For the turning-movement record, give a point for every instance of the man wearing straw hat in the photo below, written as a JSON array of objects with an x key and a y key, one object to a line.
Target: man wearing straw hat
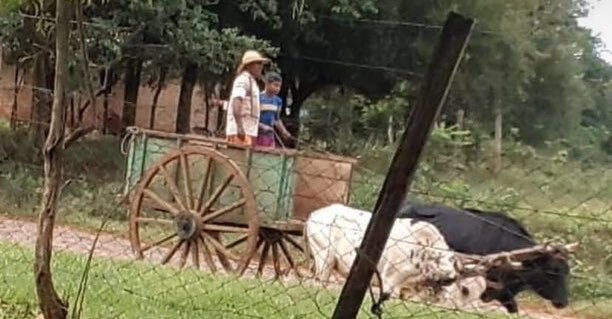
[{"x": 244, "y": 110}]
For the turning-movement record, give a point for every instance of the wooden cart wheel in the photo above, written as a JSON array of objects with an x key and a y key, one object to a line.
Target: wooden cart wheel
[
  {"x": 195, "y": 202},
  {"x": 282, "y": 249}
]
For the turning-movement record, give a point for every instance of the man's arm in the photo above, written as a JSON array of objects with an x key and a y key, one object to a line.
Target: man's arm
[{"x": 237, "y": 110}]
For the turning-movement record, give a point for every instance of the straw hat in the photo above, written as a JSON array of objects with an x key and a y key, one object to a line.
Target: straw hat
[{"x": 251, "y": 56}]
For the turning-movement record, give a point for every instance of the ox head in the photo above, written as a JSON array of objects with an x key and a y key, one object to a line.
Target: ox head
[
  {"x": 547, "y": 273},
  {"x": 440, "y": 268},
  {"x": 548, "y": 276}
]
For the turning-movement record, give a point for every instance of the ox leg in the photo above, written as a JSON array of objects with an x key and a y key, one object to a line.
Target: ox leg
[
  {"x": 510, "y": 305},
  {"x": 324, "y": 264},
  {"x": 504, "y": 297},
  {"x": 392, "y": 280}
]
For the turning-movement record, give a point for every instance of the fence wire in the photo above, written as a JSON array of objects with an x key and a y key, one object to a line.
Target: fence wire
[{"x": 192, "y": 228}]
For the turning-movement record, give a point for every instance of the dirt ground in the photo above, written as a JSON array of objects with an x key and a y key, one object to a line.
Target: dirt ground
[{"x": 21, "y": 232}]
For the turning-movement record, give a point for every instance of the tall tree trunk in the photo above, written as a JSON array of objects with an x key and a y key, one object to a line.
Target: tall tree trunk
[
  {"x": 132, "y": 85},
  {"x": 207, "y": 105},
  {"x": 107, "y": 81},
  {"x": 498, "y": 139},
  {"x": 160, "y": 84},
  {"x": 183, "y": 111},
  {"x": 51, "y": 305},
  {"x": 299, "y": 94},
  {"x": 284, "y": 93},
  {"x": 460, "y": 122},
  {"x": 390, "y": 131},
  {"x": 17, "y": 82},
  {"x": 460, "y": 119},
  {"x": 41, "y": 98},
  {"x": 71, "y": 117},
  {"x": 207, "y": 89}
]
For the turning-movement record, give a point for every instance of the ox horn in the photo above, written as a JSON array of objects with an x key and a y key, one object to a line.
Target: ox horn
[
  {"x": 507, "y": 258},
  {"x": 565, "y": 250},
  {"x": 572, "y": 248},
  {"x": 474, "y": 268}
]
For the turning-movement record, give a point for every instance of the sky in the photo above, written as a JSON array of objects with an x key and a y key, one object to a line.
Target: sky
[{"x": 600, "y": 21}]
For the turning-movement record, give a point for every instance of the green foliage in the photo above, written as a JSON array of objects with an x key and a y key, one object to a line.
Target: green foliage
[
  {"x": 9, "y": 5},
  {"x": 94, "y": 168},
  {"x": 528, "y": 58}
]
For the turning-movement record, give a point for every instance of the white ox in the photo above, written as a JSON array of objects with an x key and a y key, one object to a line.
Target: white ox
[{"x": 415, "y": 253}]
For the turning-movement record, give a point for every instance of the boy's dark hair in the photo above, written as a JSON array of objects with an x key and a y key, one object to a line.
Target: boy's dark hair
[{"x": 272, "y": 77}]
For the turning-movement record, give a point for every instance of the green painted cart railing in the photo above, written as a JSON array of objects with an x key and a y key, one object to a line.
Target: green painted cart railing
[{"x": 221, "y": 205}]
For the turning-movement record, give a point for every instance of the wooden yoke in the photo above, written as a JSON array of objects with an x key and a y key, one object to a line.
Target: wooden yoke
[{"x": 475, "y": 265}]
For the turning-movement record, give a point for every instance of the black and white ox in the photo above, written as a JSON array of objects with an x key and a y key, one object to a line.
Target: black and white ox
[
  {"x": 475, "y": 232},
  {"x": 415, "y": 253}
]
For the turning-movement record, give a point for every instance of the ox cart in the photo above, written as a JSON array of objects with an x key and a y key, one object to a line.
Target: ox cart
[{"x": 194, "y": 197}]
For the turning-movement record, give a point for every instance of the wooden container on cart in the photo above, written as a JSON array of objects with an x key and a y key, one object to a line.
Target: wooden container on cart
[{"x": 200, "y": 197}]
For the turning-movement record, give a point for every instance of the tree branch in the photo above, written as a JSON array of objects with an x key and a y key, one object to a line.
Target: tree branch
[
  {"x": 82, "y": 131},
  {"x": 75, "y": 135}
]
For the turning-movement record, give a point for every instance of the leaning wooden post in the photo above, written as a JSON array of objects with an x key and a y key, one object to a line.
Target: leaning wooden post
[{"x": 447, "y": 54}]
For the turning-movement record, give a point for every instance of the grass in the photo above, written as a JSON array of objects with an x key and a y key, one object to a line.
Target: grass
[
  {"x": 129, "y": 290},
  {"x": 95, "y": 170},
  {"x": 556, "y": 200}
]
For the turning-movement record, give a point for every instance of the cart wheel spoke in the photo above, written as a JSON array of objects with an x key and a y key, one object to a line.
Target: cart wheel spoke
[
  {"x": 169, "y": 207},
  {"x": 293, "y": 242},
  {"x": 171, "y": 252},
  {"x": 287, "y": 254},
  {"x": 224, "y": 262},
  {"x": 160, "y": 221},
  {"x": 276, "y": 260},
  {"x": 225, "y": 229},
  {"x": 187, "y": 180},
  {"x": 218, "y": 191},
  {"x": 224, "y": 210},
  {"x": 263, "y": 258},
  {"x": 237, "y": 242},
  {"x": 222, "y": 259},
  {"x": 157, "y": 243},
  {"x": 176, "y": 193},
  {"x": 250, "y": 256},
  {"x": 218, "y": 246},
  {"x": 205, "y": 183},
  {"x": 208, "y": 255},
  {"x": 185, "y": 253},
  {"x": 195, "y": 253}
]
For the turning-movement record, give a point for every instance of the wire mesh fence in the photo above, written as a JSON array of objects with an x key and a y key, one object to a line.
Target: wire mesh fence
[
  {"x": 248, "y": 258},
  {"x": 186, "y": 226}
]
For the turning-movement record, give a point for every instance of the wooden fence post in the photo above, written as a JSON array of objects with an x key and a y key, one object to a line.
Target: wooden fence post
[{"x": 446, "y": 58}]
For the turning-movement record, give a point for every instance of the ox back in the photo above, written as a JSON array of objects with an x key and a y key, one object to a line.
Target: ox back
[{"x": 471, "y": 231}]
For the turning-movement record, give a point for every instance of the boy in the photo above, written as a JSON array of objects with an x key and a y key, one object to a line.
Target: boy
[{"x": 271, "y": 105}]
